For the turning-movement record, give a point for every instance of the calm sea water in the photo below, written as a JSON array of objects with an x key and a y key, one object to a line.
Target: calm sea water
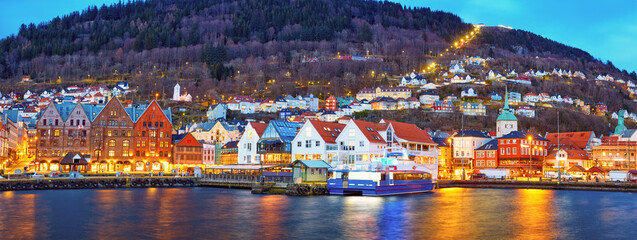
[{"x": 211, "y": 213}]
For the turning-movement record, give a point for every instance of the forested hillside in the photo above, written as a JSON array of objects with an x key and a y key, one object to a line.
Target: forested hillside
[{"x": 226, "y": 47}]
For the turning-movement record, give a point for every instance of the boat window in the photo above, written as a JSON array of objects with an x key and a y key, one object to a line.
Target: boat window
[
  {"x": 411, "y": 176},
  {"x": 382, "y": 177}
]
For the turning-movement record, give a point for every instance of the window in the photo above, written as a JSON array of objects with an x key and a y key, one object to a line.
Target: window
[
  {"x": 308, "y": 143},
  {"x": 143, "y": 143},
  {"x": 123, "y": 123},
  {"x": 318, "y": 143},
  {"x": 125, "y": 143},
  {"x": 352, "y": 132},
  {"x": 515, "y": 151},
  {"x": 138, "y": 144},
  {"x": 111, "y": 143},
  {"x": 128, "y": 133},
  {"x": 152, "y": 144},
  {"x": 361, "y": 143},
  {"x": 299, "y": 144},
  {"x": 56, "y": 133},
  {"x": 109, "y": 133},
  {"x": 161, "y": 124},
  {"x": 125, "y": 153},
  {"x": 98, "y": 153},
  {"x": 111, "y": 153}
]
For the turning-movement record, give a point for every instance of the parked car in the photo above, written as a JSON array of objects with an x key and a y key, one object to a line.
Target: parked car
[{"x": 478, "y": 176}]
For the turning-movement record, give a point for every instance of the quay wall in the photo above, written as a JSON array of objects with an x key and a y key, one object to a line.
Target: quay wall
[
  {"x": 96, "y": 182},
  {"x": 553, "y": 185}
]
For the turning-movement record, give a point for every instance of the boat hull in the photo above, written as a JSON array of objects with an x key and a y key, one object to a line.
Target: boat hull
[{"x": 371, "y": 188}]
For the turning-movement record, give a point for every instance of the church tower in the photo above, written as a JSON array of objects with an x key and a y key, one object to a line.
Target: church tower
[
  {"x": 176, "y": 92},
  {"x": 506, "y": 122}
]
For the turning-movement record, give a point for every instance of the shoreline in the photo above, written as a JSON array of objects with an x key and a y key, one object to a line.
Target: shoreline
[{"x": 579, "y": 186}]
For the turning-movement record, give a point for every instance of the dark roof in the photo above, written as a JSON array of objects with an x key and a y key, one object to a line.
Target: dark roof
[
  {"x": 471, "y": 133},
  {"x": 69, "y": 159},
  {"x": 520, "y": 135},
  {"x": 442, "y": 142},
  {"x": 491, "y": 145},
  {"x": 231, "y": 144}
]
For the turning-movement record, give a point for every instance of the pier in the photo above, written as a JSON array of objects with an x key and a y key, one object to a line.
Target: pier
[{"x": 96, "y": 182}]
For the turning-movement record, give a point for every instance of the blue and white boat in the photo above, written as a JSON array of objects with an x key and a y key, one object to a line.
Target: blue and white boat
[{"x": 380, "y": 177}]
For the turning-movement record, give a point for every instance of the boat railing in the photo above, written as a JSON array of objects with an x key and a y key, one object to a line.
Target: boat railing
[{"x": 243, "y": 178}]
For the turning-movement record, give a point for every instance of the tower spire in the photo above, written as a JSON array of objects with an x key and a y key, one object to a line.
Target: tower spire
[{"x": 506, "y": 99}]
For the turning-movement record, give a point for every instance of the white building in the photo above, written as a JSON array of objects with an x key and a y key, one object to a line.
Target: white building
[
  {"x": 247, "y": 146},
  {"x": 316, "y": 140},
  {"x": 361, "y": 141}
]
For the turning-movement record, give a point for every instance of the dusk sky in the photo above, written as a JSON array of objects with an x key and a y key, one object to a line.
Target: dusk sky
[{"x": 606, "y": 29}]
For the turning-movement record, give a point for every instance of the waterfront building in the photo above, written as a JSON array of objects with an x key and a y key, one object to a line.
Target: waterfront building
[
  {"x": 486, "y": 156},
  {"x": 416, "y": 142},
  {"x": 361, "y": 141},
  {"x": 187, "y": 151},
  {"x": 247, "y": 146},
  {"x": 524, "y": 153},
  {"x": 445, "y": 157},
  {"x": 464, "y": 144},
  {"x": 275, "y": 143},
  {"x": 153, "y": 130},
  {"x": 227, "y": 154},
  {"x": 112, "y": 135},
  {"x": 309, "y": 171},
  {"x": 316, "y": 140}
]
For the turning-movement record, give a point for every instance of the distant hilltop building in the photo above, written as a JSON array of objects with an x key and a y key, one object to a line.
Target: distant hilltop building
[{"x": 186, "y": 97}]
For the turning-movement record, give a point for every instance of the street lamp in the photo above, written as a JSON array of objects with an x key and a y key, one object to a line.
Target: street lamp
[{"x": 530, "y": 138}]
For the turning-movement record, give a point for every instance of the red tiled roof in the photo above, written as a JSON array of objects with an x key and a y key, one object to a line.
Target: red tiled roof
[
  {"x": 362, "y": 125},
  {"x": 259, "y": 127},
  {"x": 410, "y": 132},
  {"x": 577, "y": 154},
  {"x": 578, "y": 139},
  {"x": 327, "y": 130}
]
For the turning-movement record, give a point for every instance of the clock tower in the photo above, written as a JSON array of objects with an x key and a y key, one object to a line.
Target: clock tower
[{"x": 506, "y": 122}]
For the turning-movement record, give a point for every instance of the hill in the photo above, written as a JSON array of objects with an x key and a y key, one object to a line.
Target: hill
[{"x": 218, "y": 48}]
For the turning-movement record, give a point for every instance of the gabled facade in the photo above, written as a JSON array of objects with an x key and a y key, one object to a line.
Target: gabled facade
[
  {"x": 247, "y": 146},
  {"x": 112, "y": 140},
  {"x": 153, "y": 137},
  {"x": 186, "y": 150},
  {"x": 316, "y": 140},
  {"x": 361, "y": 141},
  {"x": 275, "y": 144}
]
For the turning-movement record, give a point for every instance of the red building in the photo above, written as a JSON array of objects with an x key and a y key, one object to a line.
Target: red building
[
  {"x": 522, "y": 152},
  {"x": 486, "y": 156},
  {"x": 187, "y": 151},
  {"x": 442, "y": 106},
  {"x": 152, "y": 137},
  {"x": 331, "y": 104}
]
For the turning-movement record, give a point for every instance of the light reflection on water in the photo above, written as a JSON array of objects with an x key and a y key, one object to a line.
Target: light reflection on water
[{"x": 208, "y": 213}]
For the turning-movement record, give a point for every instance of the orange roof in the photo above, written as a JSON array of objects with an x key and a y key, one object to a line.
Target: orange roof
[
  {"x": 371, "y": 129},
  {"x": 410, "y": 132},
  {"x": 328, "y": 130},
  {"x": 572, "y": 153},
  {"x": 259, "y": 127},
  {"x": 577, "y": 139}
]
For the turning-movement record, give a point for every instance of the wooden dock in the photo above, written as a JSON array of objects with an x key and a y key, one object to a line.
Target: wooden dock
[{"x": 96, "y": 182}]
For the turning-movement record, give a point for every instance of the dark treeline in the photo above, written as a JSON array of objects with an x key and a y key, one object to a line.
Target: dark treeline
[{"x": 176, "y": 23}]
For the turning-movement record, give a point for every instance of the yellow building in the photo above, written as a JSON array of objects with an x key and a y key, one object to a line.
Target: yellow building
[{"x": 392, "y": 92}]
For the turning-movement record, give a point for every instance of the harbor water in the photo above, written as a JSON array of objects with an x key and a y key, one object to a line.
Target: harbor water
[{"x": 215, "y": 213}]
